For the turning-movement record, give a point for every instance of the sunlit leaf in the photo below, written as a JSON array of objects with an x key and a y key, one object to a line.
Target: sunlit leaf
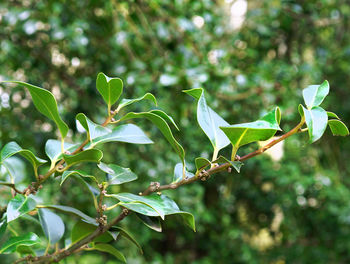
[
  {"x": 53, "y": 149},
  {"x": 52, "y": 225},
  {"x": 316, "y": 120},
  {"x": 67, "y": 174},
  {"x": 89, "y": 155},
  {"x": 93, "y": 130},
  {"x": 117, "y": 174},
  {"x": 178, "y": 173},
  {"x": 18, "y": 206},
  {"x": 338, "y": 128},
  {"x": 126, "y": 102},
  {"x": 28, "y": 239},
  {"x": 109, "y": 88},
  {"x": 315, "y": 94}
]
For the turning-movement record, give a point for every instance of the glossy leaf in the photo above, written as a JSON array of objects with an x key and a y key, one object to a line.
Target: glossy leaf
[
  {"x": 128, "y": 133},
  {"x": 18, "y": 206},
  {"x": 13, "y": 148},
  {"x": 89, "y": 155},
  {"x": 109, "y": 88},
  {"x": 202, "y": 163},
  {"x": 83, "y": 229},
  {"x": 111, "y": 250},
  {"x": 209, "y": 120},
  {"x": 162, "y": 126},
  {"x": 332, "y": 115},
  {"x": 178, "y": 173},
  {"x": 126, "y": 102},
  {"x": 128, "y": 236},
  {"x": 70, "y": 210},
  {"x": 28, "y": 239},
  {"x": 52, "y": 225},
  {"x": 81, "y": 173},
  {"x": 338, "y": 128},
  {"x": 315, "y": 94},
  {"x": 93, "y": 130},
  {"x": 46, "y": 104},
  {"x": 117, "y": 174},
  {"x": 316, "y": 120},
  {"x": 53, "y": 149},
  {"x": 16, "y": 169},
  {"x": 3, "y": 225},
  {"x": 235, "y": 164},
  {"x": 165, "y": 116},
  {"x": 262, "y": 129},
  {"x": 151, "y": 222}
]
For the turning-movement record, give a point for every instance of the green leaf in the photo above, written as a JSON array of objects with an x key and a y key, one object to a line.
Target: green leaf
[
  {"x": 70, "y": 210},
  {"x": 52, "y": 225},
  {"x": 262, "y": 129},
  {"x": 16, "y": 169},
  {"x": 117, "y": 174},
  {"x": 128, "y": 133},
  {"x": 316, "y": 120},
  {"x": 28, "y": 239},
  {"x": 151, "y": 222},
  {"x": 53, "y": 149},
  {"x": 109, "y": 88},
  {"x": 178, "y": 173},
  {"x": 18, "y": 206},
  {"x": 235, "y": 164},
  {"x": 81, "y": 173},
  {"x": 209, "y": 120},
  {"x": 315, "y": 94},
  {"x": 3, "y": 225},
  {"x": 332, "y": 115},
  {"x": 83, "y": 229},
  {"x": 201, "y": 163},
  {"x": 13, "y": 148},
  {"x": 126, "y": 102},
  {"x": 46, "y": 104},
  {"x": 111, "y": 250},
  {"x": 152, "y": 205},
  {"x": 162, "y": 126},
  {"x": 93, "y": 130},
  {"x": 338, "y": 128},
  {"x": 89, "y": 155},
  {"x": 165, "y": 116},
  {"x": 128, "y": 236}
]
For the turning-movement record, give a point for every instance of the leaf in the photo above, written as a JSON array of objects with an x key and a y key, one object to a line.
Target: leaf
[
  {"x": 162, "y": 126},
  {"x": 28, "y": 239},
  {"x": 153, "y": 205},
  {"x": 81, "y": 173},
  {"x": 128, "y": 236},
  {"x": 165, "y": 116},
  {"x": 128, "y": 133},
  {"x": 46, "y": 104},
  {"x": 117, "y": 174},
  {"x": 126, "y": 102},
  {"x": 83, "y": 229},
  {"x": 93, "y": 130},
  {"x": 235, "y": 164},
  {"x": 111, "y": 250},
  {"x": 70, "y": 210},
  {"x": 333, "y": 115},
  {"x": 18, "y": 206},
  {"x": 209, "y": 120},
  {"x": 178, "y": 173},
  {"x": 151, "y": 222},
  {"x": 201, "y": 163},
  {"x": 262, "y": 129},
  {"x": 89, "y": 155},
  {"x": 315, "y": 94},
  {"x": 13, "y": 148},
  {"x": 53, "y": 149},
  {"x": 109, "y": 88},
  {"x": 338, "y": 128},
  {"x": 3, "y": 225},
  {"x": 52, "y": 225},
  {"x": 316, "y": 120}
]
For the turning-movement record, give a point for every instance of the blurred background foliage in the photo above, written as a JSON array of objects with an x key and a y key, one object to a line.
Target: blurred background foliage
[{"x": 292, "y": 206}]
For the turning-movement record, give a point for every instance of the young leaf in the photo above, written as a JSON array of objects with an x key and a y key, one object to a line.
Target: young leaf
[
  {"x": 315, "y": 94},
  {"x": 128, "y": 236},
  {"x": 316, "y": 120},
  {"x": 13, "y": 148},
  {"x": 262, "y": 129},
  {"x": 338, "y": 128},
  {"x": 70, "y": 210},
  {"x": 235, "y": 164},
  {"x": 332, "y": 115},
  {"x": 109, "y": 88},
  {"x": 46, "y": 104},
  {"x": 53, "y": 149},
  {"x": 111, "y": 250},
  {"x": 89, "y": 155},
  {"x": 28, "y": 239},
  {"x": 162, "y": 126},
  {"x": 93, "y": 130},
  {"x": 126, "y": 102},
  {"x": 201, "y": 163},
  {"x": 209, "y": 120},
  {"x": 151, "y": 222},
  {"x": 81, "y": 173},
  {"x": 18, "y": 206},
  {"x": 178, "y": 173},
  {"x": 83, "y": 229},
  {"x": 128, "y": 133},
  {"x": 116, "y": 174},
  {"x": 52, "y": 225}
]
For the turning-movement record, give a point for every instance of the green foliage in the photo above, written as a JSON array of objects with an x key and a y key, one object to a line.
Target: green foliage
[{"x": 52, "y": 225}]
